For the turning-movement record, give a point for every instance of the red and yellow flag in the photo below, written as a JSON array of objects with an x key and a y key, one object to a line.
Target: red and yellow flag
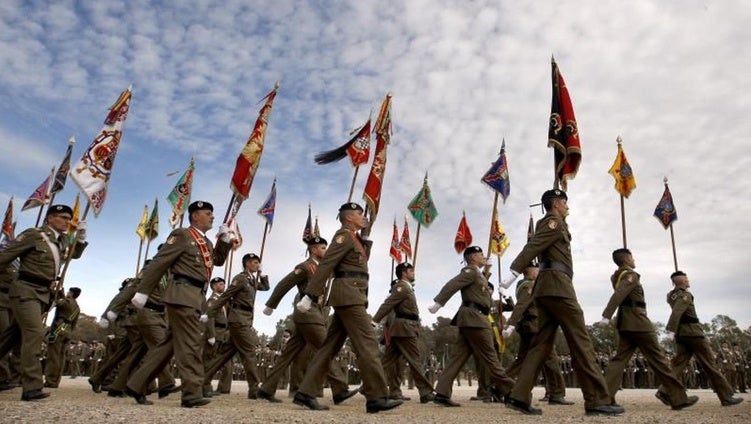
[
  {"x": 625, "y": 182},
  {"x": 563, "y": 133},
  {"x": 372, "y": 193},
  {"x": 463, "y": 235},
  {"x": 394, "y": 251}
]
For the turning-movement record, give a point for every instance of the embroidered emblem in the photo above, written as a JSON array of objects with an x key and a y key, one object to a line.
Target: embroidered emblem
[
  {"x": 552, "y": 224},
  {"x": 399, "y": 289},
  {"x": 297, "y": 271},
  {"x": 339, "y": 240},
  {"x": 171, "y": 240},
  {"x": 467, "y": 270}
]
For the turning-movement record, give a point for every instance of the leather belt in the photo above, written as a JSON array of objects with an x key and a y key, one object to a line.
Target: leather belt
[
  {"x": 33, "y": 279},
  {"x": 685, "y": 319},
  {"x": 190, "y": 280},
  {"x": 557, "y": 266},
  {"x": 243, "y": 308},
  {"x": 484, "y": 309},
  {"x": 411, "y": 317},
  {"x": 633, "y": 303},
  {"x": 154, "y": 306},
  {"x": 220, "y": 325},
  {"x": 352, "y": 274}
]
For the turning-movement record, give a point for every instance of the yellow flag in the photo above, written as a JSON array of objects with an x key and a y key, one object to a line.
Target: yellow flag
[
  {"x": 499, "y": 241},
  {"x": 141, "y": 228},
  {"x": 73, "y": 224},
  {"x": 625, "y": 182}
]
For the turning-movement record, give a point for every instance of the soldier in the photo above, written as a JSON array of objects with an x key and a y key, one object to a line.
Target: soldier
[
  {"x": 41, "y": 251},
  {"x": 557, "y": 306},
  {"x": 9, "y": 364},
  {"x": 404, "y": 333},
  {"x": 310, "y": 329},
  {"x": 431, "y": 367},
  {"x": 216, "y": 335},
  {"x": 635, "y": 330},
  {"x": 347, "y": 260},
  {"x": 684, "y": 325},
  {"x": 475, "y": 334},
  {"x": 66, "y": 317},
  {"x": 726, "y": 362},
  {"x": 190, "y": 257},
  {"x": 741, "y": 368},
  {"x": 242, "y": 339},
  {"x": 524, "y": 320}
]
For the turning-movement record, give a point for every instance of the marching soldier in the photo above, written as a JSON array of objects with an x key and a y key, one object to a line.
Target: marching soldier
[
  {"x": 347, "y": 259},
  {"x": 405, "y": 329},
  {"x": 475, "y": 333},
  {"x": 41, "y": 251},
  {"x": 310, "y": 329},
  {"x": 557, "y": 306},
  {"x": 635, "y": 330},
  {"x": 690, "y": 340},
  {"x": 726, "y": 362},
  {"x": 216, "y": 335},
  {"x": 9, "y": 364},
  {"x": 741, "y": 367},
  {"x": 66, "y": 317},
  {"x": 190, "y": 257}
]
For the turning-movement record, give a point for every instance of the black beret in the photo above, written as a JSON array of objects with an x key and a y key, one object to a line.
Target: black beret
[
  {"x": 351, "y": 206},
  {"x": 55, "y": 209},
  {"x": 200, "y": 205},
  {"x": 216, "y": 280},
  {"x": 472, "y": 249},
  {"x": 553, "y": 194},
  {"x": 677, "y": 274},
  {"x": 76, "y": 292},
  {"x": 249, "y": 257},
  {"x": 313, "y": 240},
  {"x": 402, "y": 267}
]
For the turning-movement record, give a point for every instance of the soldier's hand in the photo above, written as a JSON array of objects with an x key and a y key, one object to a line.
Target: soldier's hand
[
  {"x": 436, "y": 306},
  {"x": 225, "y": 234},
  {"x": 211, "y": 341},
  {"x": 508, "y": 332},
  {"x": 111, "y": 316},
  {"x": 603, "y": 321},
  {"x": 139, "y": 300},
  {"x": 268, "y": 311},
  {"x": 81, "y": 231},
  {"x": 304, "y": 304},
  {"x": 103, "y": 323},
  {"x": 203, "y": 318},
  {"x": 670, "y": 334},
  {"x": 510, "y": 280}
]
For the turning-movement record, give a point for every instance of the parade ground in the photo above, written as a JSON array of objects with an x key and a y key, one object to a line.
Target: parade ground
[{"x": 74, "y": 402}]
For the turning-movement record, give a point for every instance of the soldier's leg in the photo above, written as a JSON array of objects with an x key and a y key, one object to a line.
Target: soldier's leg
[
  {"x": 623, "y": 353},
  {"x": 153, "y": 336},
  {"x": 483, "y": 381},
  {"x": 245, "y": 342},
  {"x": 524, "y": 341},
  {"x": 705, "y": 357},
  {"x": 27, "y": 313},
  {"x": 112, "y": 360},
  {"x": 356, "y": 321},
  {"x": 292, "y": 349},
  {"x": 481, "y": 343},
  {"x": 5, "y": 358},
  {"x": 458, "y": 356},
  {"x": 411, "y": 353},
  {"x": 131, "y": 362},
  {"x": 224, "y": 355},
  {"x": 389, "y": 362},
  {"x": 319, "y": 365},
  {"x": 539, "y": 350},
  {"x": 656, "y": 359},
  {"x": 551, "y": 369},
  {"x": 187, "y": 341},
  {"x": 53, "y": 368}
]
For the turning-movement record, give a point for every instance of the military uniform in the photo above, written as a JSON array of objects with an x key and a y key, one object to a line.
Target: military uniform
[
  {"x": 9, "y": 364},
  {"x": 216, "y": 328},
  {"x": 41, "y": 251},
  {"x": 151, "y": 322},
  {"x": 242, "y": 340},
  {"x": 66, "y": 317},
  {"x": 557, "y": 306},
  {"x": 475, "y": 334},
  {"x": 403, "y": 334},
  {"x": 690, "y": 341},
  {"x": 741, "y": 368},
  {"x": 190, "y": 257},
  {"x": 726, "y": 362},
  {"x": 635, "y": 330}
]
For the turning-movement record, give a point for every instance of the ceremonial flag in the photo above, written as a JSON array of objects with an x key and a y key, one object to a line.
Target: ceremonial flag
[
  {"x": 250, "y": 156},
  {"x": 372, "y": 193},
  {"x": 404, "y": 243},
  {"x": 307, "y": 232},
  {"x": 238, "y": 234},
  {"x": 357, "y": 148},
  {"x": 665, "y": 211},
  {"x": 141, "y": 228},
  {"x": 394, "y": 251},
  {"x": 92, "y": 173},
  {"x": 269, "y": 206},
  {"x": 152, "y": 227},
  {"x": 75, "y": 219},
  {"x": 40, "y": 196},
  {"x": 422, "y": 206},
  {"x": 499, "y": 242},
  {"x": 563, "y": 133},
  {"x": 179, "y": 197},
  {"x": 463, "y": 235},
  {"x": 7, "y": 230},
  {"x": 497, "y": 176},
  {"x": 625, "y": 182},
  {"x": 62, "y": 172}
]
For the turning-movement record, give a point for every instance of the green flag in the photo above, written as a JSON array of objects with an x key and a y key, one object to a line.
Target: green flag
[
  {"x": 152, "y": 227},
  {"x": 422, "y": 206}
]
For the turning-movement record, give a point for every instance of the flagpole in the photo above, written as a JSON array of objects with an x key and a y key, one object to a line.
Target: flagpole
[
  {"x": 417, "y": 244},
  {"x": 49, "y": 187},
  {"x": 352, "y": 186},
  {"x": 138, "y": 262},
  {"x": 623, "y": 222},
  {"x": 392, "y": 268},
  {"x": 229, "y": 207},
  {"x": 672, "y": 241},
  {"x": 263, "y": 245},
  {"x": 146, "y": 254}
]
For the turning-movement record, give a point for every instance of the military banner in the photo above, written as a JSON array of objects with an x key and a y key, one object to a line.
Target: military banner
[
  {"x": 394, "y": 251},
  {"x": 179, "y": 197},
  {"x": 62, "y": 172},
  {"x": 497, "y": 176},
  {"x": 357, "y": 148},
  {"x": 563, "y": 133},
  {"x": 40, "y": 196},
  {"x": 463, "y": 237},
  {"x": 372, "y": 193},
  {"x": 269, "y": 206},
  {"x": 625, "y": 182},
  {"x": 422, "y": 207}
]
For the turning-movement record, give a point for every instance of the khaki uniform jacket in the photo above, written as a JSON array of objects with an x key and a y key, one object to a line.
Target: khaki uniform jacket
[
  {"x": 37, "y": 260},
  {"x": 181, "y": 255},
  {"x": 551, "y": 244},
  {"x": 299, "y": 277},
  {"x": 150, "y": 314},
  {"x": 524, "y": 316},
  {"x": 120, "y": 304},
  {"x": 7, "y": 277},
  {"x": 628, "y": 292},
  {"x": 403, "y": 303},
  {"x": 242, "y": 293},
  {"x": 682, "y": 303},
  {"x": 66, "y": 312},
  {"x": 474, "y": 288},
  {"x": 346, "y": 253},
  {"x": 216, "y": 327}
]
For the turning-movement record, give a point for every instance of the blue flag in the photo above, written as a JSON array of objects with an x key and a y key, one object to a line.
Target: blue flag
[
  {"x": 497, "y": 176},
  {"x": 269, "y": 206},
  {"x": 665, "y": 210}
]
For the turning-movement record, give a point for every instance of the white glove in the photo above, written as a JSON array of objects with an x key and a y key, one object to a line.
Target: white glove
[
  {"x": 211, "y": 341},
  {"x": 670, "y": 334},
  {"x": 111, "y": 316},
  {"x": 81, "y": 232},
  {"x": 508, "y": 331},
  {"x": 436, "y": 306},
  {"x": 203, "y": 318},
  {"x": 103, "y": 323},
  {"x": 139, "y": 300},
  {"x": 225, "y": 234},
  {"x": 305, "y": 304},
  {"x": 510, "y": 280},
  {"x": 603, "y": 321},
  {"x": 268, "y": 311}
]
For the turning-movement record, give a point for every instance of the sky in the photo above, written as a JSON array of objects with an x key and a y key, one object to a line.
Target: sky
[{"x": 669, "y": 77}]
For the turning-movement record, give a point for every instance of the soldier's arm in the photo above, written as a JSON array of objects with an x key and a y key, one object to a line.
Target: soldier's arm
[
  {"x": 221, "y": 251},
  {"x": 543, "y": 239},
  {"x": 210, "y": 330},
  {"x": 122, "y": 299},
  {"x": 679, "y": 308},
  {"x": 396, "y": 297},
  {"x": 464, "y": 278},
  {"x": 285, "y": 285},
  {"x": 522, "y": 304},
  {"x": 628, "y": 283},
  {"x": 235, "y": 287},
  {"x": 18, "y": 247},
  {"x": 161, "y": 263},
  {"x": 263, "y": 283},
  {"x": 78, "y": 249},
  {"x": 340, "y": 247}
]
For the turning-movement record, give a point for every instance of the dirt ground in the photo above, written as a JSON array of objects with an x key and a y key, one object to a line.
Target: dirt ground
[{"x": 75, "y": 402}]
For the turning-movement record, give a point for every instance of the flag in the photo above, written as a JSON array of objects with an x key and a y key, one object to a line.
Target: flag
[
  {"x": 497, "y": 176},
  {"x": 307, "y": 232},
  {"x": 269, "y": 206},
  {"x": 372, "y": 193},
  {"x": 152, "y": 227},
  {"x": 422, "y": 206},
  {"x": 74, "y": 220},
  {"x": 357, "y": 148},
  {"x": 499, "y": 241},
  {"x": 92, "y": 173},
  {"x": 141, "y": 228},
  {"x": 238, "y": 235},
  {"x": 40, "y": 196},
  {"x": 665, "y": 211},
  {"x": 625, "y": 182},
  {"x": 179, "y": 197},
  {"x": 563, "y": 134},
  {"x": 7, "y": 230},
  {"x": 394, "y": 251},
  {"x": 62, "y": 172},
  {"x": 250, "y": 156},
  {"x": 404, "y": 243},
  {"x": 463, "y": 235},
  {"x": 530, "y": 228}
]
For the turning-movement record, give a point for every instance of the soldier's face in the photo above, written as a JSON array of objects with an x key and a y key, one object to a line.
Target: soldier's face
[
  {"x": 409, "y": 274},
  {"x": 219, "y": 287},
  {"x": 318, "y": 250},
  {"x": 356, "y": 219},
  {"x": 59, "y": 221},
  {"x": 681, "y": 282},
  {"x": 202, "y": 219},
  {"x": 561, "y": 205},
  {"x": 253, "y": 265}
]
